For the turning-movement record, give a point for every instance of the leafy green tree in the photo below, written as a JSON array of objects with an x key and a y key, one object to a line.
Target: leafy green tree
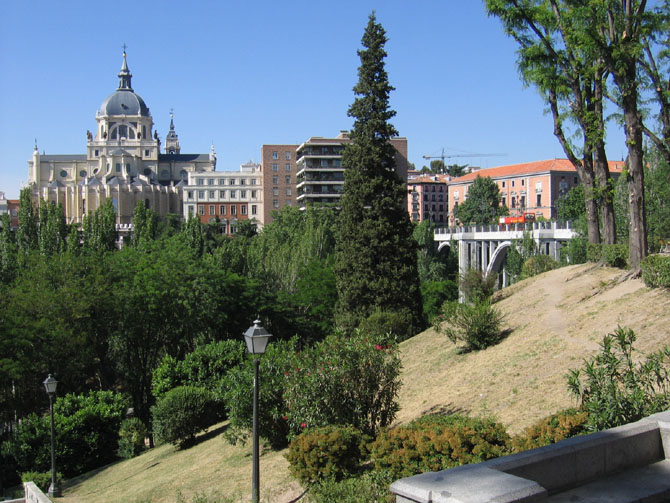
[
  {"x": 53, "y": 230},
  {"x": 26, "y": 235},
  {"x": 99, "y": 229},
  {"x": 7, "y": 250},
  {"x": 145, "y": 224},
  {"x": 482, "y": 205},
  {"x": 194, "y": 236},
  {"x": 376, "y": 254},
  {"x": 437, "y": 167}
]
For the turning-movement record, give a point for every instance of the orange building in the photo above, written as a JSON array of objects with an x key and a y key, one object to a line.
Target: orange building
[
  {"x": 427, "y": 198},
  {"x": 532, "y": 187}
]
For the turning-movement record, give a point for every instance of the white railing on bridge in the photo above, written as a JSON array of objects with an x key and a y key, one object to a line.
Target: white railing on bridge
[{"x": 548, "y": 230}]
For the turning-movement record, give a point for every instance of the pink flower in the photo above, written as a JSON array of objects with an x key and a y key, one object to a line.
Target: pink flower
[
  {"x": 285, "y": 418},
  {"x": 378, "y": 347},
  {"x": 302, "y": 425}
]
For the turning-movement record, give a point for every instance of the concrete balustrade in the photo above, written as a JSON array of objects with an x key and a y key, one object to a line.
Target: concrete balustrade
[{"x": 624, "y": 464}]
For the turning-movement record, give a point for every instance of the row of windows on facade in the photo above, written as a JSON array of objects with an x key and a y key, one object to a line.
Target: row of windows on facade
[
  {"x": 430, "y": 188},
  {"x": 222, "y": 181},
  {"x": 147, "y": 153},
  {"x": 223, "y": 210},
  {"x": 287, "y": 155},
  {"x": 147, "y": 171},
  {"x": 275, "y": 203},
  {"x": 287, "y": 180},
  {"x": 223, "y": 194},
  {"x": 275, "y": 167}
]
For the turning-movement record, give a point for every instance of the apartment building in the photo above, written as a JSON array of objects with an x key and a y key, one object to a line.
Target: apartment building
[
  {"x": 225, "y": 197},
  {"x": 278, "y": 178},
  {"x": 532, "y": 187},
  {"x": 320, "y": 175},
  {"x": 427, "y": 198}
]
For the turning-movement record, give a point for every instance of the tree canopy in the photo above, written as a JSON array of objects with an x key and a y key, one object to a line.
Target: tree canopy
[{"x": 482, "y": 205}]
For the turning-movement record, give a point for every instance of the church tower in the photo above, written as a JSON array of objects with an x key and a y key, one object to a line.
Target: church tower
[{"x": 172, "y": 140}]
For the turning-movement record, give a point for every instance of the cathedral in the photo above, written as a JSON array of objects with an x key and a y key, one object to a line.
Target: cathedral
[{"x": 123, "y": 161}]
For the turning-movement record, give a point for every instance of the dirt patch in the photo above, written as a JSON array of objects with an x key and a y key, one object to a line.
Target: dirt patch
[{"x": 557, "y": 319}]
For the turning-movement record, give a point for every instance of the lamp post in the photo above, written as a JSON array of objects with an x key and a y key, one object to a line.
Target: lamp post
[
  {"x": 50, "y": 385},
  {"x": 256, "y": 338}
]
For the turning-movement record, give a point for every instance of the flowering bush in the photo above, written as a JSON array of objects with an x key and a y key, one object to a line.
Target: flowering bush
[
  {"x": 549, "y": 430},
  {"x": 350, "y": 380}
]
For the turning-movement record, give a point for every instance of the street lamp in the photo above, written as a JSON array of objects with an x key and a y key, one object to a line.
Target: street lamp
[
  {"x": 50, "y": 385},
  {"x": 256, "y": 338}
]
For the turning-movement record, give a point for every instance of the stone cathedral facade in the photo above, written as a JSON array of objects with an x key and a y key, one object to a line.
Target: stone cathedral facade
[{"x": 123, "y": 161}]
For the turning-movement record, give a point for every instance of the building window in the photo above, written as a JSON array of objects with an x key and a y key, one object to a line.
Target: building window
[
  {"x": 574, "y": 180},
  {"x": 210, "y": 181},
  {"x": 190, "y": 194},
  {"x": 275, "y": 155},
  {"x": 253, "y": 209},
  {"x": 201, "y": 181},
  {"x": 337, "y": 162},
  {"x": 243, "y": 194},
  {"x": 288, "y": 180},
  {"x": 287, "y": 167},
  {"x": 253, "y": 181},
  {"x": 275, "y": 203},
  {"x": 232, "y": 194},
  {"x": 253, "y": 194},
  {"x": 512, "y": 183},
  {"x": 222, "y": 210},
  {"x": 287, "y": 203},
  {"x": 146, "y": 153},
  {"x": 190, "y": 211},
  {"x": 224, "y": 228},
  {"x": 243, "y": 181},
  {"x": 522, "y": 202},
  {"x": 201, "y": 194},
  {"x": 503, "y": 201},
  {"x": 231, "y": 182},
  {"x": 523, "y": 182},
  {"x": 539, "y": 200},
  {"x": 201, "y": 209},
  {"x": 324, "y": 150},
  {"x": 63, "y": 173},
  {"x": 212, "y": 209},
  {"x": 82, "y": 173},
  {"x": 211, "y": 194},
  {"x": 275, "y": 191},
  {"x": 513, "y": 202},
  {"x": 288, "y": 191},
  {"x": 243, "y": 210},
  {"x": 324, "y": 163},
  {"x": 127, "y": 167},
  {"x": 275, "y": 180},
  {"x": 503, "y": 184},
  {"x": 287, "y": 156},
  {"x": 275, "y": 167},
  {"x": 233, "y": 210}
]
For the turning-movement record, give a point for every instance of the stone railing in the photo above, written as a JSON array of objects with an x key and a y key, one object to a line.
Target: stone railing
[
  {"x": 624, "y": 464},
  {"x": 33, "y": 494}
]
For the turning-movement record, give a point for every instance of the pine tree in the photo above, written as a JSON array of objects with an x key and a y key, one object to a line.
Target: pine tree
[{"x": 376, "y": 266}]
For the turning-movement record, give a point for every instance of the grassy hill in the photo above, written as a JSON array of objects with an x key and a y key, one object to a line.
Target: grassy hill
[{"x": 556, "y": 320}]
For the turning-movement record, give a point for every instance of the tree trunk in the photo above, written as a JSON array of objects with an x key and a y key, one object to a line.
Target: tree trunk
[
  {"x": 588, "y": 180},
  {"x": 606, "y": 196}
]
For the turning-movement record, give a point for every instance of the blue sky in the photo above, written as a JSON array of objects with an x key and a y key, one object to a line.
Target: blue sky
[{"x": 241, "y": 74}]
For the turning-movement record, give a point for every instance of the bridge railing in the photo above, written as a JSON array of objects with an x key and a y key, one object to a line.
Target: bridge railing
[{"x": 530, "y": 226}]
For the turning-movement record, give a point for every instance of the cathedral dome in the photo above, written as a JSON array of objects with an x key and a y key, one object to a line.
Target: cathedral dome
[{"x": 124, "y": 101}]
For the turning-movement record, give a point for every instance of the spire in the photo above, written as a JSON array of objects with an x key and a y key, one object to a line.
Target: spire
[
  {"x": 171, "y": 119},
  {"x": 124, "y": 74},
  {"x": 172, "y": 140}
]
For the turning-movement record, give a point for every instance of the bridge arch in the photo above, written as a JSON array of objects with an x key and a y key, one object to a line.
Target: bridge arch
[
  {"x": 498, "y": 257},
  {"x": 444, "y": 244}
]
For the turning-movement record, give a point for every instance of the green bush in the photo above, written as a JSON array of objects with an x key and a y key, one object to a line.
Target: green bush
[
  {"x": 87, "y": 428},
  {"x": 615, "y": 255},
  {"x": 371, "y": 486},
  {"x": 574, "y": 251},
  {"x": 436, "y": 293},
  {"x": 656, "y": 271},
  {"x": 614, "y": 389},
  {"x": 537, "y": 265},
  {"x": 434, "y": 443},
  {"x": 551, "y": 429},
  {"x": 275, "y": 364},
  {"x": 389, "y": 323},
  {"x": 41, "y": 479},
  {"x": 346, "y": 380},
  {"x": 131, "y": 438},
  {"x": 477, "y": 325},
  {"x": 183, "y": 412},
  {"x": 168, "y": 375},
  {"x": 477, "y": 286},
  {"x": 330, "y": 452}
]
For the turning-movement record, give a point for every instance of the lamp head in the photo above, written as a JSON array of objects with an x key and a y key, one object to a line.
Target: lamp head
[
  {"x": 50, "y": 385},
  {"x": 257, "y": 338}
]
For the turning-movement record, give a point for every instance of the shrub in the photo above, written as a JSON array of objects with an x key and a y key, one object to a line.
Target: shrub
[
  {"x": 87, "y": 428},
  {"x": 574, "y": 252},
  {"x": 477, "y": 325},
  {"x": 370, "y": 486},
  {"x": 537, "y": 265},
  {"x": 397, "y": 325},
  {"x": 166, "y": 376},
  {"x": 131, "y": 438},
  {"x": 614, "y": 255},
  {"x": 330, "y": 452},
  {"x": 436, "y": 293},
  {"x": 656, "y": 271},
  {"x": 41, "y": 479},
  {"x": 344, "y": 380},
  {"x": 434, "y": 443},
  {"x": 477, "y": 286},
  {"x": 183, "y": 412},
  {"x": 614, "y": 390},
  {"x": 551, "y": 429},
  {"x": 238, "y": 396}
]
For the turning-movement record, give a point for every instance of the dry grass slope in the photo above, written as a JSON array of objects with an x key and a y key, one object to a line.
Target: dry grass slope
[{"x": 557, "y": 319}]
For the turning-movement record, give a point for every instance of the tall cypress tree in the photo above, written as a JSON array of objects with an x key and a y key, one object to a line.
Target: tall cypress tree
[{"x": 376, "y": 266}]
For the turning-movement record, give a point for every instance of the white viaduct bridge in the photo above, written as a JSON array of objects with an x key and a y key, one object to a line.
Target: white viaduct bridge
[{"x": 484, "y": 247}]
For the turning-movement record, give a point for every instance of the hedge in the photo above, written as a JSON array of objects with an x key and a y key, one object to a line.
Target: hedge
[{"x": 656, "y": 271}]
